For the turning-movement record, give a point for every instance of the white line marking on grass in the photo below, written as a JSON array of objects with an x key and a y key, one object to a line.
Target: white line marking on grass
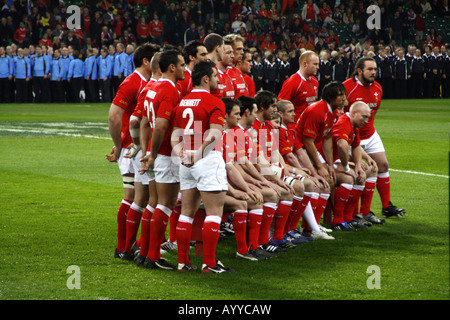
[
  {"x": 420, "y": 173},
  {"x": 56, "y": 133},
  {"x": 107, "y": 138}
]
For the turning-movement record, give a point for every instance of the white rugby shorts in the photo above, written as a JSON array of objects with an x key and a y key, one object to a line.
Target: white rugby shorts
[
  {"x": 166, "y": 170},
  {"x": 125, "y": 164},
  {"x": 207, "y": 174},
  {"x": 372, "y": 144},
  {"x": 138, "y": 177}
]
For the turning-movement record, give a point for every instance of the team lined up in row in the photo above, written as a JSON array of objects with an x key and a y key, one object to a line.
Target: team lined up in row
[
  {"x": 59, "y": 75},
  {"x": 179, "y": 151}
]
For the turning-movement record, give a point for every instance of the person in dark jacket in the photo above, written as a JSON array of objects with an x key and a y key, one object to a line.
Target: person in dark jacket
[
  {"x": 446, "y": 73},
  {"x": 325, "y": 73},
  {"x": 258, "y": 72},
  {"x": 401, "y": 74},
  {"x": 270, "y": 73},
  {"x": 339, "y": 66},
  {"x": 427, "y": 83},
  {"x": 436, "y": 67},
  {"x": 384, "y": 73},
  {"x": 418, "y": 74}
]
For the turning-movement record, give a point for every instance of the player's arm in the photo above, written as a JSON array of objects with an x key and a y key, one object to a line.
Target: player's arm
[
  {"x": 317, "y": 167},
  {"x": 369, "y": 160},
  {"x": 134, "y": 128},
  {"x": 235, "y": 178},
  {"x": 213, "y": 136},
  {"x": 357, "y": 156},
  {"x": 327, "y": 147},
  {"x": 115, "y": 130},
  {"x": 159, "y": 132}
]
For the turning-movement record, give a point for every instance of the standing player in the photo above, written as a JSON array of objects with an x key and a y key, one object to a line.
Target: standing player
[
  {"x": 363, "y": 87},
  {"x": 240, "y": 86},
  {"x": 223, "y": 67},
  {"x": 214, "y": 45},
  {"x": 199, "y": 122},
  {"x": 245, "y": 66},
  {"x": 193, "y": 52},
  {"x": 120, "y": 111},
  {"x": 163, "y": 98},
  {"x": 301, "y": 87},
  {"x": 145, "y": 196}
]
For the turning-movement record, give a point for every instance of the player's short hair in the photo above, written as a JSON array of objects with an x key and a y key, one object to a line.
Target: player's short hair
[
  {"x": 167, "y": 58},
  {"x": 233, "y": 38},
  {"x": 282, "y": 105},
  {"x": 306, "y": 55},
  {"x": 201, "y": 69},
  {"x": 212, "y": 41},
  {"x": 360, "y": 64},
  {"x": 333, "y": 89},
  {"x": 230, "y": 103},
  {"x": 246, "y": 104},
  {"x": 155, "y": 62},
  {"x": 264, "y": 99},
  {"x": 191, "y": 49},
  {"x": 146, "y": 50}
]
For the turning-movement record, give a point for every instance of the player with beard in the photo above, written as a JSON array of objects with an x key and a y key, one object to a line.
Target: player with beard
[{"x": 363, "y": 87}]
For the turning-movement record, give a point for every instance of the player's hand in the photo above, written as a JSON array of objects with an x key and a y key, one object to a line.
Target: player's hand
[
  {"x": 134, "y": 149},
  {"x": 373, "y": 165},
  {"x": 146, "y": 163},
  {"x": 276, "y": 188},
  {"x": 186, "y": 158},
  {"x": 332, "y": 174},
  {"x": 360, "y": 176},
  {"x": 240, "y": 195},
  {"x": 255, "y": 196},
  {"x": 114, "y": 155},
  {"x": 323, "y": 172}
]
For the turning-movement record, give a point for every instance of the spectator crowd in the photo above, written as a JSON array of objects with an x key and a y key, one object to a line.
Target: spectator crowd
[{"x": 41, "y": 60}]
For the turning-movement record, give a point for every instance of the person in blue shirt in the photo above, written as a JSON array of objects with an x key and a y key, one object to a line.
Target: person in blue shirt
[
  {"x": 39, "y": 72},
  {"x": 64, "y": 61},
  {"x": 75, "y": 76},
  {"x": 129, "y": 68},
  {"x": 48, "y": 57},
  {"x": 56, "y": 88},
  {"x": 112, "y": 57},
  {"x": 6, "y": 76},
  {"x": 119, "y": 66},
  {"x": 22, "y": 75},
  {"x": 104, "y": 75},
  {"x": 90, "y": 76}
]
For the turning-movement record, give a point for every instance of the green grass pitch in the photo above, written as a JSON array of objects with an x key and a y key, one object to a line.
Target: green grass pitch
[{"x": 60, "y": 197}]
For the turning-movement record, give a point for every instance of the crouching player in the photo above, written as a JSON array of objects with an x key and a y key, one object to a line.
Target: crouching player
[{"x": 343, "y": 146}]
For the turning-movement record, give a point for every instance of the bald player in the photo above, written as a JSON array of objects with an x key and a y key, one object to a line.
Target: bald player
[{"x": 301, "y": 88}]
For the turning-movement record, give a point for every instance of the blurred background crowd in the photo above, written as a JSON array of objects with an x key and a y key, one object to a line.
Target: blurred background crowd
[{"x": 42, "y": 60}]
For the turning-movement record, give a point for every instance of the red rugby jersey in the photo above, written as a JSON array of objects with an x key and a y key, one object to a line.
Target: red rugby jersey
[
  {"x": 195, "y": 113},
  {"x": 287, "y": 140},
  {"x": 371, "y": 94},
  {"x": 160, "y": 102},
  {"x": 227, "y": 83},
  {"x": 300, "y": 91},
  {"x": 126, "y": 98},
  {"x": 343, "y": 129},
  {"x": 138, "y": 111},
  {"x": 316, "y": 122},
  {"x": 185, "y": 86},
  {"x": 237, "y": 78}
]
